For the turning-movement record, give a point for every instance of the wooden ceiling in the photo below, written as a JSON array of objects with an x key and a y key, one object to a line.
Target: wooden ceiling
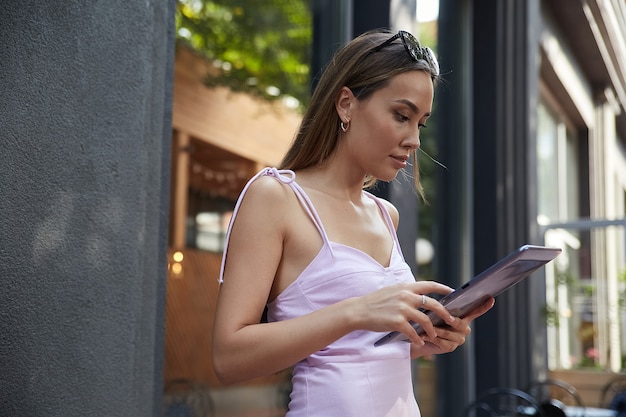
[{"x": 232, "y": 135}]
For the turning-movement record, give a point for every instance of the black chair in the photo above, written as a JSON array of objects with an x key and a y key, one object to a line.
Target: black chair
[
  {"x": 554, "y": 395},
  {"x": 504, "y": 402},
  {"x": 613, "y": 395}
]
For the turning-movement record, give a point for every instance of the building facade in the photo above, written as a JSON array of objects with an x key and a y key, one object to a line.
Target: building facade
[
  {"x": 531, "y": 124},
  {"x": 533, "y": 128}
]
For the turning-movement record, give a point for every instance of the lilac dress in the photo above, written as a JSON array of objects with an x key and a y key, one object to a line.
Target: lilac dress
[{"x": 350, "y": 377}]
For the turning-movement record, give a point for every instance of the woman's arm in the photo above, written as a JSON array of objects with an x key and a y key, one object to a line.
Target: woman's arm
[{"x": 244, "y": 348}]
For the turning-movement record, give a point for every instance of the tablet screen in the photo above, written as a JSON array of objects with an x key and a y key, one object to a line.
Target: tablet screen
[{"x": 501, "y": 276}]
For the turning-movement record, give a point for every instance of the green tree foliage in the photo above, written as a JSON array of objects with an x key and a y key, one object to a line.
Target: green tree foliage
[{"x": 261, "y": 46}]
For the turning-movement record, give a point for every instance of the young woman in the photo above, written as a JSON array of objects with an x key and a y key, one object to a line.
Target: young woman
[{"x": 322, "y": 254}]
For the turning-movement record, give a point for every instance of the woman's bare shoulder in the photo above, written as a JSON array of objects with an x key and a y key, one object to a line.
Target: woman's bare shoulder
[
  {"x": 393, "y": 211},
  {"x": 268, "y": 188},
  {"x": 267, "y": 195}
]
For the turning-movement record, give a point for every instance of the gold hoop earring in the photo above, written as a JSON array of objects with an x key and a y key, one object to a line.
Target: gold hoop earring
[{"x": 344, "y": 127}]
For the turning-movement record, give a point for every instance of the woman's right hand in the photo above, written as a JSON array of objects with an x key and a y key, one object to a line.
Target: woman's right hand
[{"x": 393, "y": 308}]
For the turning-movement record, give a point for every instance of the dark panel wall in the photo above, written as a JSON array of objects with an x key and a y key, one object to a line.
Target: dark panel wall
[
  {"x": 85, "y": 119},
  {"x": 455, "y": 235},
  {"x": 332, "y": 27},
  {"x": 506, "y": 84},
  {"x": 488, "y": 129}
]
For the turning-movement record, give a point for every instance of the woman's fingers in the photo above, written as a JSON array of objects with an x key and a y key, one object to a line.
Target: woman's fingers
[
  {"x": 436, "y": 307},
  {"x": 421, "y": 316},
  {"x": 449, "y": 338},
  {"x": 480, "y": 310},
  {"x": 418, "y": 304},
  {"x": 403, "y": 306}
]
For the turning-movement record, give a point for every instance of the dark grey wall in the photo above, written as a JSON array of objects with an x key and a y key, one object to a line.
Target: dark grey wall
[
  {"x": 85, "y": 96},
  {"x": 486, "y": 120}
]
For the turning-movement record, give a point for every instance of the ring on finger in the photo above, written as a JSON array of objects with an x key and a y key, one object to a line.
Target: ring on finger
[{"x": 424, "y": 300}]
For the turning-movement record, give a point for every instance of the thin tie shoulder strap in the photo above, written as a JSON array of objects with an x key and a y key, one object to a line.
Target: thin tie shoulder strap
[
  {"x": 387, "y": 218},
  {"x": 287, "y": 177}
]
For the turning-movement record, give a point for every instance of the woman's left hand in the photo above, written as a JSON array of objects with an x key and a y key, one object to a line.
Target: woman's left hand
[{"x": 450, "y": 337}]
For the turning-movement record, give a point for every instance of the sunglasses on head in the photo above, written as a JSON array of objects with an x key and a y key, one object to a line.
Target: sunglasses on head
[{"x": 416, "y": 51}]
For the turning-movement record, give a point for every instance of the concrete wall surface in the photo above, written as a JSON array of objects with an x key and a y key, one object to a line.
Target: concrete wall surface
[{"x": 85, "y": 124}]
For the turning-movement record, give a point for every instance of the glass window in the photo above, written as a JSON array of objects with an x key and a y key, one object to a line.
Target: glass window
[
  {"x": 558, "y": 170},
  {"x": 569, "y": 285},
  {"x": 547, "y": 176},
  {"x": 207, "y": 220},
  {"x": 210, "y": 230},
  {"x": 585, "y": 285}
]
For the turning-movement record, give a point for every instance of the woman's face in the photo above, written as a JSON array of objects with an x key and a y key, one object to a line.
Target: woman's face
[{"x": 384, "y": 128}]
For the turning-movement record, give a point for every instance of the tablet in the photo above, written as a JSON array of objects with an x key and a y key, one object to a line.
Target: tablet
[{"x": 498, "y": 278}]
